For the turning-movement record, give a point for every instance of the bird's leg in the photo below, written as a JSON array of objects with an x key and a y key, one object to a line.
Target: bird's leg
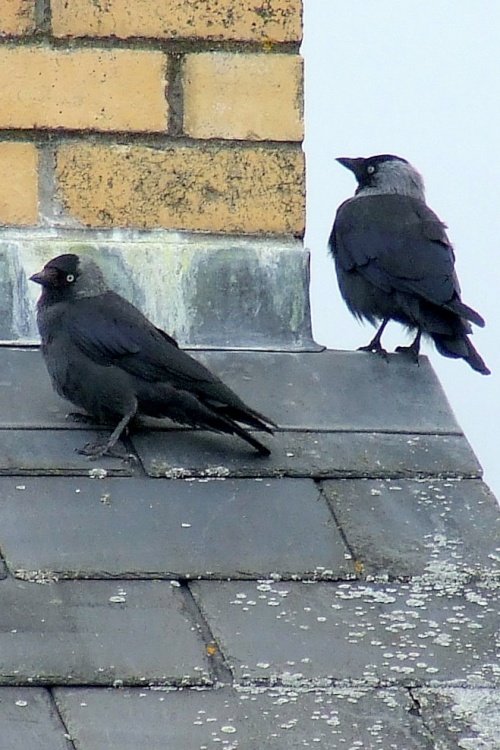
[
  {"x": 375, "y": 345},
  {"x": 414, "y": 347},
  {"x": 106, "y": 448}
]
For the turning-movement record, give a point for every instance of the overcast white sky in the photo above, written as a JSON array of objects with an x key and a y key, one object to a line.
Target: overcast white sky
[{"x": 420, "y": 80}]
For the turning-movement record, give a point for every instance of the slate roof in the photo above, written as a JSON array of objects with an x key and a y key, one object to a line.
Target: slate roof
[{"x": 340, "y": 594}]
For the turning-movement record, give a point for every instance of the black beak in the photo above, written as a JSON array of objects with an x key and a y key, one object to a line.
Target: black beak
[
  {"x": 356, "y": 166},
  {"x": 38, "y": 278}
]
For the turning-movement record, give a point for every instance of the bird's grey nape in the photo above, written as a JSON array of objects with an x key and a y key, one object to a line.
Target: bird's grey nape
[
  {"x": 396, "y": 176},
  {"x": 90, "y": 281}
]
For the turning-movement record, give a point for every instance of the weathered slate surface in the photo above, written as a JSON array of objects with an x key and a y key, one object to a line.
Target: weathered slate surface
[
  {"x": 29, "y": 720},
  {"x": 359, "y": 484},
  {"x": 320, "y": 391},
  {"x": 338, "y": 390},
  {"x": 432, "y": 628},
  {"x": 38, "y": 452},
  {"x": 278, "y": 719},
  {"x": 140, "y": 527},
  {"x": 406, "y": 527},
  {"x": 466, "y": 718},
  {"x": 96, "y": 632},
  {"x": 306, "y": 454}
]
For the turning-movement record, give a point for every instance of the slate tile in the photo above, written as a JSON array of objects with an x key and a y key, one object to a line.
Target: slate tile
[
  {"x": 331, "y": 390},
  {"x": 29, "y": 721},
  {"x": 145, "y": 527},
  {"x": 405, "y": 527},
  {"x": 461, "y": 717},
  {"x": 96, "y": 632},
  {"x": 27, "y": 398},
  {"x": 275, "y": 719},
  {"x": 435, "y": 628},
  {"x": 337, "y": 390},
  {"x": 306, "y": 454},
  {"x": 24, "y": 452}
]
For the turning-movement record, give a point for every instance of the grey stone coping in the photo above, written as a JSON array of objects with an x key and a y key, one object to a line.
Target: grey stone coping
[
  {"x": 278, "y": 719},
  {"x": 406, "y": 527},
  {"x": 96, "y": 632},
  {"x": 436, "y": 628},
  {"x": 203, "y": 289},
  {"x": 175, "y": 528},
  {"x": 29, "y": 720},
  {"x": 461, "y": 717},
  {"x": 304, "y": 454},
  {"x": 327, "y": 391}
]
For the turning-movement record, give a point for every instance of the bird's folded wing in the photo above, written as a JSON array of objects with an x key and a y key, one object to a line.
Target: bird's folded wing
[
  {"x": 111, "y": 331},
  {"x": 397, "y": 243}
]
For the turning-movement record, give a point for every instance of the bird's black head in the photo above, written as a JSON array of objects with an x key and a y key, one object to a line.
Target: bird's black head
[
  {"x": 366, "y": 171},
  {"x": 384, "y": 174},
  {"x": 69, "y": 277},
  {"x": 59, "y": 273}
]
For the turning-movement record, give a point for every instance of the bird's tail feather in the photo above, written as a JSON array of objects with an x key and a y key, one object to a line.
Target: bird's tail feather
[
  {"x": 160, "y": 400},
  {"x": 467, "y": 312},
  {"x": 460, "y": 347},
  {"x": 245, "y": 435},
  {"x": 248, "y": 417}
]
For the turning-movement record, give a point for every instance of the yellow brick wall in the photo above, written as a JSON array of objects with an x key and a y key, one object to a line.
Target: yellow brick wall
[{"x": 174, "y": 114}]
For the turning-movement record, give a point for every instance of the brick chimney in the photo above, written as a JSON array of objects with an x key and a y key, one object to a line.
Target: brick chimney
[{"x": 163, "y": 138}]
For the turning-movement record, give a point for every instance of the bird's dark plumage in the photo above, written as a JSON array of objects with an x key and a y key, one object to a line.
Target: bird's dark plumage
[
  {"x": 107, "y": 358},
  {"x": 394, "y": 260}
]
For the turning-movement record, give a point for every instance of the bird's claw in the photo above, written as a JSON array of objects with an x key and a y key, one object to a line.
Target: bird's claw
[
  {"x": 77, "y": 416},
  {"x": 374, "y": 349},
  {"x": 99, "y": 450}
]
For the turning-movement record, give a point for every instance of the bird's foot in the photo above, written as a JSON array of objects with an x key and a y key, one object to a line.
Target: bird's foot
[
  {"x": 100, "y": 449},
  {"x": 77, "y": 416},
  {"x": 375, "y": 348},
  {"x": 409, "y": 351}
]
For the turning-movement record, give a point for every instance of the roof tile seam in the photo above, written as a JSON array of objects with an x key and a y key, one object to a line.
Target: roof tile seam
[
  {"x": 218, "y": 666},
  {"x": 57, "y": 711}
]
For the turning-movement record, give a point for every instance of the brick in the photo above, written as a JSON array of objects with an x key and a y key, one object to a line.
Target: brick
[
  {"x": 87, "y": 88},
  {"x": 244, "y": 96},
  {"x": 17, "y": 17},
  {"x": 269, "y": 20},
  {"x": 218, "y": 189},
  {"x": 19, "y": 192}
]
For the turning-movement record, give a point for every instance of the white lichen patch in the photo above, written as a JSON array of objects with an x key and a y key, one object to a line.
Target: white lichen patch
[
  {"x": 470, "y": 716},
  {"x": 98, "y": 473},
  {"x": 36, "y": 576}
]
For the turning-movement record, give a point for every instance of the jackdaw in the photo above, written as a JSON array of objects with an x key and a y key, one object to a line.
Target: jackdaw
[
  {"x": 107, "y": 358},
  {"x": 394, "y": 260}
]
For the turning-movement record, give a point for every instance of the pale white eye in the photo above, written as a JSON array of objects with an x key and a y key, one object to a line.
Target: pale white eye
[
  {"x": 70, "y": 278},
  {"x": 370, "y": 169}
]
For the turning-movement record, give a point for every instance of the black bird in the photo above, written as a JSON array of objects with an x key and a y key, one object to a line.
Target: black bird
[
  {"x": 394, "y": 260},
  {"x": 105, "y": 357}
]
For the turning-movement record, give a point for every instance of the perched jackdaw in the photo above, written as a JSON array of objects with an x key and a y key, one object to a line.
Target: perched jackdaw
[
  {"x": 105, "y": 357},
  {"x": 395, "y": 262}
]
